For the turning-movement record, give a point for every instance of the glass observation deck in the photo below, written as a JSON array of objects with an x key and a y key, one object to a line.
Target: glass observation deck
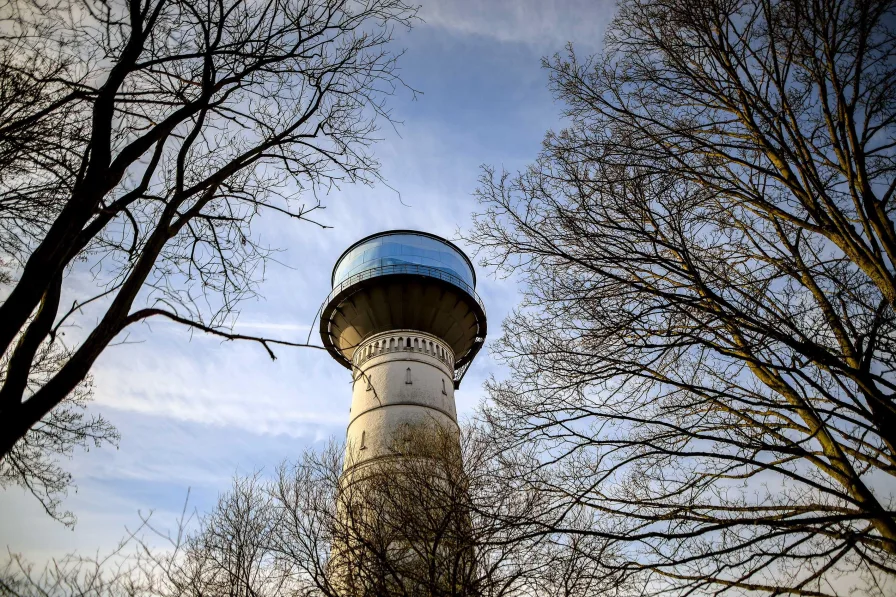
[{"x": 404, "y": 251}]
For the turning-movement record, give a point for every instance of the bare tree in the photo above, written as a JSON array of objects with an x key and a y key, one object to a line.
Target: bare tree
[
  {"x": 430, "y": 519},
  {"x": 704, "y": 356},
  {"x": 33, "y": 461},
  {"x": 413, "y": 523},
  {"x": 138, "y": 141}
]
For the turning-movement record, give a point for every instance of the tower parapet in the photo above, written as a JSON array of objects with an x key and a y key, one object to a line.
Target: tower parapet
[{"x": 402, "y": 380}]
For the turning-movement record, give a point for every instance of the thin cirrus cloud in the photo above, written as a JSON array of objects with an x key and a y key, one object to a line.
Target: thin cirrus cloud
[
  {"x": 543, "y": 23},
  {"x": 272, "y": 325},
  {"x": 201, "y": 380}
]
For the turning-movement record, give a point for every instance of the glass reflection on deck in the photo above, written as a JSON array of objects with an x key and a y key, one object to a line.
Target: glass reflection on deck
[{"x": 401, "y": 249}]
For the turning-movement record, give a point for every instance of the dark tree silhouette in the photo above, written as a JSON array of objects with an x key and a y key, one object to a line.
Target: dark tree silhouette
[
  {"x": 138, "y": 141},
  {"x": 705, "y": 351},
  {"x": 33, "y": 461}
]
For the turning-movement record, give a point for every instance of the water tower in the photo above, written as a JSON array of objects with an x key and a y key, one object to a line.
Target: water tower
[{"x": 404, "y": 317}]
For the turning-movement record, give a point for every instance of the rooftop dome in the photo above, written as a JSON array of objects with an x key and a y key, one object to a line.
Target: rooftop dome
[{"x": 405, "y": 247}]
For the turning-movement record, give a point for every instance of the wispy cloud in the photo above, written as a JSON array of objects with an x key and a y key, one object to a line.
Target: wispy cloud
[
  {"x": 199, "y": 379},
  {"x": 542, "y": 23},
  {"x": 271, "y": 325}
]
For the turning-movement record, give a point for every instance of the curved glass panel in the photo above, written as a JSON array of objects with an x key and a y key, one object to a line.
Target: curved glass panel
[{"x": 404, "y": 249}]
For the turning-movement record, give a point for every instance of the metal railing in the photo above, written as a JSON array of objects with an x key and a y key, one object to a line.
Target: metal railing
[{"x": 405, "y": 268}]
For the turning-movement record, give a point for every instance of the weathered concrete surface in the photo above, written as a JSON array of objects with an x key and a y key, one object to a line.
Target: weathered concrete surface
[{"x": 397, "y": 386}]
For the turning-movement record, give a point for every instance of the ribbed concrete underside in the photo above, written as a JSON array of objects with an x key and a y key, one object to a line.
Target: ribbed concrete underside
[{"x": 401, "y": 301}]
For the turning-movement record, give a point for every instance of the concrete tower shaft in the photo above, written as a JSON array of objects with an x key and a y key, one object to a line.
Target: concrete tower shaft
[{"x": 401, "y": 379}]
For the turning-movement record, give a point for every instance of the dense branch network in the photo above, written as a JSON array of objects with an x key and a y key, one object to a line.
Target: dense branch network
[
  {"x": 704, "y": 357},
  {"x": 139, "y": 141}
]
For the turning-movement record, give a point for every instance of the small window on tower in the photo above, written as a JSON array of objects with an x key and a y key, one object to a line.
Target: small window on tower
[
  {"x": 407, "y": 376},
  {"x": 444, "y": 391},
  {"x": 363, "y": 440}
]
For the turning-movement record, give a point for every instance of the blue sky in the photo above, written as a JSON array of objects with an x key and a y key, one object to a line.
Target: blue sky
[{"x": 192, "y": 411}]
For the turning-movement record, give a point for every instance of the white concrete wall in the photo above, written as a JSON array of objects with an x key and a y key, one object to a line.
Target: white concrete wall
[{"x": 383, "y": 402}]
